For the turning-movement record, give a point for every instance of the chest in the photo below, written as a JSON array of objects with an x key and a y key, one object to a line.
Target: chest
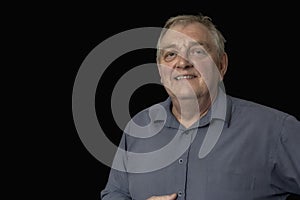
[{"x": 236, "y": 168}]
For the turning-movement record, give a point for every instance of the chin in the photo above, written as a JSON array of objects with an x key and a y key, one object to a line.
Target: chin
[{"x": 185, "y": 95}]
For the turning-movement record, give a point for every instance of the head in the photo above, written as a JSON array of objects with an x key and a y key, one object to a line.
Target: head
[{"x": 191, "y": 57}]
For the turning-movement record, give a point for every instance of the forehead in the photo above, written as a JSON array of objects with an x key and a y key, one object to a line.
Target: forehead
[{"x": 183, "y": 34}]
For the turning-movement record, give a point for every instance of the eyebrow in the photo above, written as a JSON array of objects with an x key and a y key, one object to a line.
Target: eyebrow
[
  {"x": 168, "y": 46},
  {"x": 204, "y": 44}
]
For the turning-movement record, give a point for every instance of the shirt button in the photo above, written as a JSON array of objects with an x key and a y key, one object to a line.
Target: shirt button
[
  {"x": 179, "y": 193},
  {"x": 180, "y": 161}
]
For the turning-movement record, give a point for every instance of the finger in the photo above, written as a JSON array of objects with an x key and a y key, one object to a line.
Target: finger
[
  {"x": 165, "y": 197},
  {"x": 172, "y": 196}
]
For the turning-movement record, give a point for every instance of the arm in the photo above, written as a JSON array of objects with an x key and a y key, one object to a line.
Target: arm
[
  {"x": 117, "y": 187},
  {"x": 286, "y": 172}
]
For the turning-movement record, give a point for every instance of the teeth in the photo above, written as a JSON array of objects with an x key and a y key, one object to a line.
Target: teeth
[{"x": 184, "y": 77}]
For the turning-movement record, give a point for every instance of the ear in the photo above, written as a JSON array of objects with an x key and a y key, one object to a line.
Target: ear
[{"x": 223, "y": 65}]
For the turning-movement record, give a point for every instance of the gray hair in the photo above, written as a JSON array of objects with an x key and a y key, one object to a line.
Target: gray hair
[{"x": 217, "y": 36}]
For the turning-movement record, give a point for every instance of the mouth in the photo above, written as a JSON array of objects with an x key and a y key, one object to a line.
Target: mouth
[{"x": 187, "y": 76}]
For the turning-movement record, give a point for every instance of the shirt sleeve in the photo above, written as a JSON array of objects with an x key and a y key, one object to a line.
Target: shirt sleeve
[
  {"x": 117, "y": 187},
  {"x": 286, "y": 172}
]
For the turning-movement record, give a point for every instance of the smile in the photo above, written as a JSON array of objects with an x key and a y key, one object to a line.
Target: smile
[{"x": 185, "y": 77}]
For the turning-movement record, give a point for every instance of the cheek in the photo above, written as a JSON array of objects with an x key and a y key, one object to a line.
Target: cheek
[
  {"x": 165, "y": 72},
  {"x": 208, "y": 70}
]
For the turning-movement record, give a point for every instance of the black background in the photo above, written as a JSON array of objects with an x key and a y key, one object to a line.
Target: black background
[{"x": 263, "y": 49}]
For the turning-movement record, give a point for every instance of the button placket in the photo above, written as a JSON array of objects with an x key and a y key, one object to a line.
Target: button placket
[
  {"x": 179, "y": 193},
  {"x": 180, "y": 161}
]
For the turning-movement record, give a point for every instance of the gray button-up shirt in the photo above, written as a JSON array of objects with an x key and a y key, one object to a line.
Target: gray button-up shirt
[{"x": 248, "y": 151}]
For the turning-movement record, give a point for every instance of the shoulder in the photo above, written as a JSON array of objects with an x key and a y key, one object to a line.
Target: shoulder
[
  {"x": 146, "y": 122},
  {"x": 256, "y": 110},
  {"x": 158, "y": 111}
]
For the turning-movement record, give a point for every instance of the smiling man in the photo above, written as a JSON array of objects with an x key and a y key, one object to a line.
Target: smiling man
[
  {"x": 186, "y": 58},
  {"x": 207, "y": 144}
]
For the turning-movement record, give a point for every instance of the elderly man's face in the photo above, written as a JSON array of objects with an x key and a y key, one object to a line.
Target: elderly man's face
[{"x": 188, "y": 62}]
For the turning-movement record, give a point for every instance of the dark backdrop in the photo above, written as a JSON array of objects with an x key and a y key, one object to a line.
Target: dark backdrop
[{"x": 262, "y": 44}]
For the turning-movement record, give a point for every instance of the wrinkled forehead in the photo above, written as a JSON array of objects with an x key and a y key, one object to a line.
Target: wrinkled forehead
[
  {"x": 174, "y": 37},
  {"x": 184, "y": 36}
]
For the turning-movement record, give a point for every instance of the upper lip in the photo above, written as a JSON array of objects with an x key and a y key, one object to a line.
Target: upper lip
[{"x": 189, "y": 74}]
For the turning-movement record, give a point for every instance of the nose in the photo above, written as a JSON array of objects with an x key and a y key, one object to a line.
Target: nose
[{"x": 183, "y": 63}]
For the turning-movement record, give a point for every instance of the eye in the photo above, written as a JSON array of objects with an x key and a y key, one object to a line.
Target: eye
[
  {"x": 198, "y": 51},
  {"x": 169, "y": 55}
]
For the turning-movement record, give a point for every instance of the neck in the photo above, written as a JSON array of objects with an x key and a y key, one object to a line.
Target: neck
[{"x": 188, "y": 111}]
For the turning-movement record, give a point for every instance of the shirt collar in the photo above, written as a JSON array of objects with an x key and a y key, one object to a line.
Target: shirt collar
[{"x": 220, "y": 110}]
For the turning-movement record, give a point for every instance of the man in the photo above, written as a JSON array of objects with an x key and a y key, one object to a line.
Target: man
[{"x": 201, "y": 143}]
